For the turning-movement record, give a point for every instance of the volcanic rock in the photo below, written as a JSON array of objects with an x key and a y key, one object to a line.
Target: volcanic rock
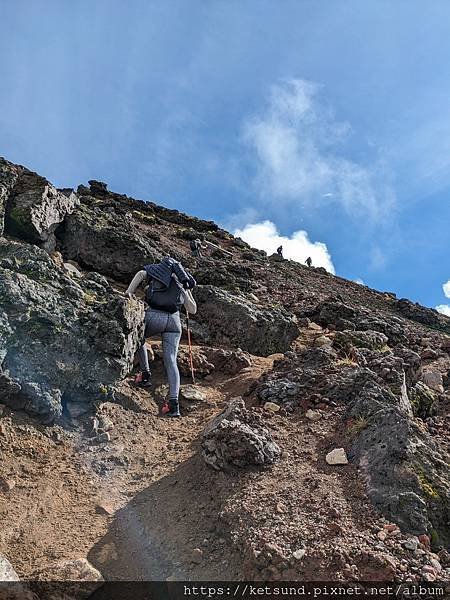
[
  {"x": 90, "y": 333},
  {"x": 236, "y": 438}
]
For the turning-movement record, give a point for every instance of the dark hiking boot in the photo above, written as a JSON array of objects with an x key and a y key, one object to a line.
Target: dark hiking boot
[
  {"x": 174, "y": 409},
  {"x": 143, "y": 379}
]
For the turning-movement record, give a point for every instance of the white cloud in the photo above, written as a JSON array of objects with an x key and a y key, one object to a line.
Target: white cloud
[
  {"x": 265, "y": 236},
  {"x": 446, "y": 288},
  {"x": 298, "y": 154},
  {"x": 360, "y": 281},
  {"x": 444, "y": 309}
]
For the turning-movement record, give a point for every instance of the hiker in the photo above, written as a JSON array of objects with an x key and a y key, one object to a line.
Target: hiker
[
  {"x": 308, "y": 261},
  {"x": 197, "y": 247},
  {"x": 280, "y": 251},
  {"x": 169, "y": 286}
]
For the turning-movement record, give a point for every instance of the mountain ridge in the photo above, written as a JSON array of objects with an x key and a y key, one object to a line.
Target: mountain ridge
[{"x": 318, "y": 359}]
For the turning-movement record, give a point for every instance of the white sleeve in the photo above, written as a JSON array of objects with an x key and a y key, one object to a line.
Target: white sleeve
[
  {"x": 136, "y": 282},
  {"x": 189, "y": 303}
]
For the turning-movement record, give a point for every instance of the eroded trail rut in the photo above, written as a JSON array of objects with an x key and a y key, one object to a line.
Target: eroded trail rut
[{"x": 139, "y": 507}]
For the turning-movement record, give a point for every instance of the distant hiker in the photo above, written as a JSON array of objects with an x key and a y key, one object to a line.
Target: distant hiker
[
  {"x": 308, "y": 261},
  {"x": 280, "y": 251},
  {"x": 169, "y": 286},
  {"x": 197, "y": 247}
]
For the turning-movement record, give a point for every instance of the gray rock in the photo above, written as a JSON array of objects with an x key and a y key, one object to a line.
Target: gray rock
[
  {"x": 7, "y": 572},
  {"x": 75, "y": 410},
  {"x": 233, "y": 320},
  {"x": 406, "y": 475},
  {"x": 237, "y": 438},
  {"x": 100, "y": 237},
  {"x": 272, "y": 407},
  {"x": 282, "y": 392},
  {"x": 434, "y": 380},
  {"x": 34, "y": 207},
  {"x": 72, "y": 270},
  {"x": 337, "y": 457},
  {"x": 104, "y": 423},
  {"x": 423, "y": 400},
  {"x": 60, "y": 340},
  {"x": 192, "y": 393},
  {"x": 73, "y": 579},
  {"x": 427, "y": 316},
  {"x": 313, "y": 415},
  {"x": 411, "y": 543},
  {"x": 374, "y": 340}
]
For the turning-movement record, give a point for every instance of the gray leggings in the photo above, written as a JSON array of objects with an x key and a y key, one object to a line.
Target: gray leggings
[{"x": 169, "y": 325}]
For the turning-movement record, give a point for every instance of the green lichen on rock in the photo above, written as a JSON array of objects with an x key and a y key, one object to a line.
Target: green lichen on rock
[
  {"x": 423, "y": 400},
  {"x": 145, "y": 217},
  {"x": 59, "y": 337}
]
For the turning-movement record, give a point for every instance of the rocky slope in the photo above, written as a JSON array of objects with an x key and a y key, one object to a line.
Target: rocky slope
[{"x": 321, "y": 362}]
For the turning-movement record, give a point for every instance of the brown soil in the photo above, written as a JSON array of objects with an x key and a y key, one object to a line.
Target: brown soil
[
  {"x": 144, "y": 506},
  {"x": 64, "y": 484}
]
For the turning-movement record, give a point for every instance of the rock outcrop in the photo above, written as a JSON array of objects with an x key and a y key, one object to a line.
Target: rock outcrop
[
  {"x": 61, "y": 340},
  {"x": 405, "y": 470},
  {"x": 33, "y": 207},
  {"x": 104, "y": 235},
  {"x": 233, "y": 320},
  {"x": 237, "y": 438}
]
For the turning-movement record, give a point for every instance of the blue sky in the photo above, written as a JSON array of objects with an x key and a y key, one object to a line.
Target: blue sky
[{"x": 322, "y": 124}]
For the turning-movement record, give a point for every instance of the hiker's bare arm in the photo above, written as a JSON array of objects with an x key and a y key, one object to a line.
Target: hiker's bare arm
[{"x": 136, "y": 282}]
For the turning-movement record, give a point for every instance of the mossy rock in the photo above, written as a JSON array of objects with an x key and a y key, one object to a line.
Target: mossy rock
[{"x": 423, "y": 400}]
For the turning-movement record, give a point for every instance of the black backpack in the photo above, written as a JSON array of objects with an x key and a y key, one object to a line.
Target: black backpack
[
  {"x": 169, "y": 299},
  {"x": 193, "y": 245}
]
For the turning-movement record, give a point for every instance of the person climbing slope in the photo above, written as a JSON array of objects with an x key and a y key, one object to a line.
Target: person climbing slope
[
  {"x": 168, "y": 290},
  {"x": 197, "y": 247}
]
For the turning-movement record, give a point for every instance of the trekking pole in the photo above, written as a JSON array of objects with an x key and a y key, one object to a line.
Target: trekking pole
[{"x": 191, "y": 361}]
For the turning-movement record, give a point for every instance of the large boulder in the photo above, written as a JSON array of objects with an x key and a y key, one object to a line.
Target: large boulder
[
  {"x": 61, "y": 339},
  {"x": 237, "y": 438},
  {"x": 34, "y": 208},
  {"x": 108, "y": 234},
  {"x": 374, "y": 340},
  {"x": 406, "y": 474},
  {"x": 233, "y": 320}
]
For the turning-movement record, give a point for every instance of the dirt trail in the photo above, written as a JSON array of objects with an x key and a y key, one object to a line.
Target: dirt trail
[
  {"x": 129, "y": 504},
  {"x": 144, "y": 506}
]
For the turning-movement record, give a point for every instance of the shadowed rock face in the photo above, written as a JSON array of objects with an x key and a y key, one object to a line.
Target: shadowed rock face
[
  {"x": 234, "y": 320},
  {"x": 60, "y": 339}
]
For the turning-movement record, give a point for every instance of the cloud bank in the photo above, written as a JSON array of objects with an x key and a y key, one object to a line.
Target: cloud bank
[
  {"x": 445, "y": 308},
  {"x": 300, "y": 155},
  {"x": 298, "y": 246},
  {"x": 446, "y": 288}
]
